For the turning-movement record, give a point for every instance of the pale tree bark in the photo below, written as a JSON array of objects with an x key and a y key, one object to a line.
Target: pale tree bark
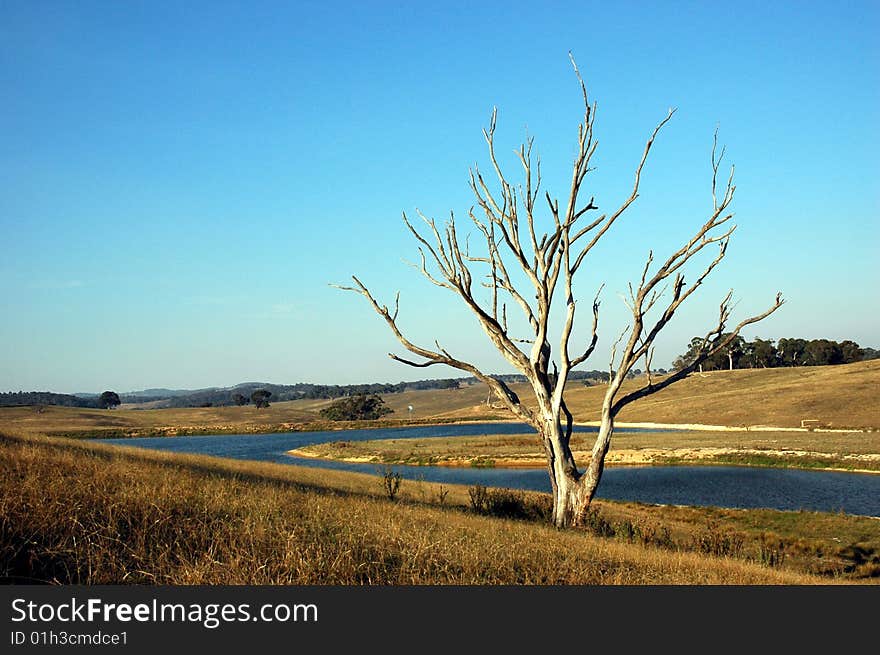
[{"x": 505, "y": 216}]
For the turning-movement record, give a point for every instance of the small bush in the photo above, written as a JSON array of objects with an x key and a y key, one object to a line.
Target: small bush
[
  {"x": 478, "y": 496},
  {"x": 771, "y": 551},
  {"x": 598, "y": 524},
  {"x": 505, "y": 503},
  {"x": 441, "y": 495},
  {"x": 627, "y": 531},
  {"x": 719, "y": 542},
  {"x": 391, "y": 482},
  {"x": 664, "y": 539}
]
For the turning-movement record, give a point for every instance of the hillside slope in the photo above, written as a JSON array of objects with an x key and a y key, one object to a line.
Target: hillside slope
[
  {"x": 844, "y": 396},
  {"x": 838, "y": 396}
]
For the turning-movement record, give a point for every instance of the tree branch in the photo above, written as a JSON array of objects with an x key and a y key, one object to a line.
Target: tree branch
[{"x": 433, "y": 357}]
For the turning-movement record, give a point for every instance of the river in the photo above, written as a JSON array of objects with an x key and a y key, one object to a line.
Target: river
[{"x": 720, "y": 486}]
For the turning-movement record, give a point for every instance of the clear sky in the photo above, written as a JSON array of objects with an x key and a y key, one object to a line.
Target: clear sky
[{"x": 182, "y": 180}]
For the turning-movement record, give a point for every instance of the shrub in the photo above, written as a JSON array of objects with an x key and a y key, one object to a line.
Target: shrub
[
  {"x": 391, "y": 483},
  {"x": 362, "y": 407},
  {"x": 719, "y": 542},
  {"x": 505, "y": 503},
  {"x": 441, "y": 495},
  {"x": 479, "y": 498},
  {"x": 771, "y": 551},
  {"x": 598, "y": 524}
]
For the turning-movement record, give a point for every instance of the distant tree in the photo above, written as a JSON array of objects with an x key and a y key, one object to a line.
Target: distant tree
[
  {"x": 680, "y": 362},
  {"x": 357, "y": 408},
  {"x": 761, "y": 353},
  {"x": 791, "y": 351},
  {"x": 822, "y": 352},
  {"x": 870, "y": 353},
  {"x": 109, "y": 400},
  {"x": 851, "y": 352},
  {"x": 240, "y": 399},
  {"x": 260, "y": 398},
  {"x": 726, "y": 358},
  {"x": 734, "y": 352},
  {"x": 695, "y": 347},
  {"x": 718, "y": 360}
]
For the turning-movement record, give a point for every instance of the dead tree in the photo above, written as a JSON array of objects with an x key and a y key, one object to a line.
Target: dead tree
[{"x": 505, "y": 215}]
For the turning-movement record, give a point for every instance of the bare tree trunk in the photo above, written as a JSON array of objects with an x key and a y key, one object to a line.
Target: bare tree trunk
[
  {"x": 573, "y": 491},
  {"x": 564, "y": 476},
  {"x": 590, "y": 480}
]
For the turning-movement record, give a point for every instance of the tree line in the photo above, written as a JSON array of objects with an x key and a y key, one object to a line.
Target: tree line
[
  {"x": 106, "y": 400},
  {"x": 15, "y": 398},
  {"x": 768, "y": 353},
  {"x": 302, "y": 390}
]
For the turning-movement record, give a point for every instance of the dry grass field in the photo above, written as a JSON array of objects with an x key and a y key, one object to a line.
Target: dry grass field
[
  {"x": 846, "y": 396},
  {"x": 843, "y": 396},
  {"x": 83, "y": 513}
]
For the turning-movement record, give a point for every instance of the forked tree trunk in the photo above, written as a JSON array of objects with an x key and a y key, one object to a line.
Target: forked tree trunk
[
  {"x": 573, "y": 491},
  {"x": 564, "y": 477}
]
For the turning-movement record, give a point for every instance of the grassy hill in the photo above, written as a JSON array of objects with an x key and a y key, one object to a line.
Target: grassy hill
[
  {"x": 842, "y": 396},
  {"x": 81, "y": 513}
]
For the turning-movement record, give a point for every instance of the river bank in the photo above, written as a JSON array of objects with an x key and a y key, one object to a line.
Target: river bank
[{"x": 844, "y": 451}]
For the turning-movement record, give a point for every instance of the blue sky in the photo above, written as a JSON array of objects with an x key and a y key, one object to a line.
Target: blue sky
[{"x": 182, "y": 181}]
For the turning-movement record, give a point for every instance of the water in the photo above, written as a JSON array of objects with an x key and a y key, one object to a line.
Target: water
[{"x": 719, "y": 486}]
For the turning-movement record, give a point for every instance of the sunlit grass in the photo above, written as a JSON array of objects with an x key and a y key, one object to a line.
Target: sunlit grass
[
  {"x": 839, "y": 396},
  {"x": 72, "y": 512}
]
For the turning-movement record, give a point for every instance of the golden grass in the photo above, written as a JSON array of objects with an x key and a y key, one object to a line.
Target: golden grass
[
  {"x": 73, "y": 512},
  {"x": 842, "y": 396},
  {"x": 839, "y": 396},
  {"x": 64, "y": 419}
]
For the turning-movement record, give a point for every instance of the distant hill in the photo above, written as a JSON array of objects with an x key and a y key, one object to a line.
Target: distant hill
[
  {"x": 160, "y": 393},
  {"x": 219, "y": 397}
]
